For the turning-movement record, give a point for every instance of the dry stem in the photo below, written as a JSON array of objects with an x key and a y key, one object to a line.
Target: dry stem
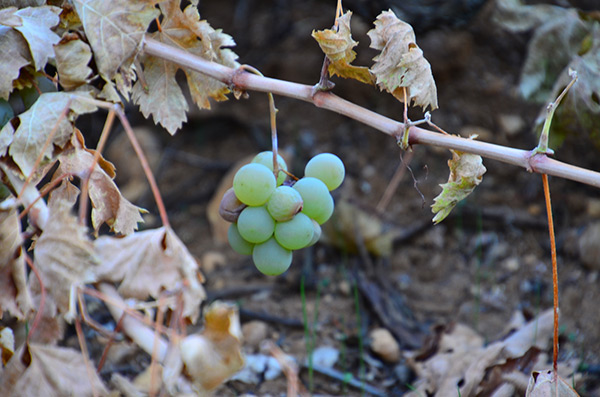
[{"x": 539, "y": 163}]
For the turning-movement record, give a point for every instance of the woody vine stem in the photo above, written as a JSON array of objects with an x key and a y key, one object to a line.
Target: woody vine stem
[{"x": 529, "y": 159}]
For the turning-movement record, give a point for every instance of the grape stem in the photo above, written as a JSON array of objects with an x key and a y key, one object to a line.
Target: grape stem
[
  {"x": 528, "y": 159},
  {"x": 273, "y": 120}
]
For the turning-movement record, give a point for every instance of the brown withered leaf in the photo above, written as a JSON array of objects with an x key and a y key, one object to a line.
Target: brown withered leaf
[
  {"x": 213, "y": 355},
  {"x": 108, "y": 205},
  {"x": 38, "y": 122},
  {"x": 163, "y": 98},
  {"x": 6, "y": 138},
  {"x": 64, "y": 254},
  {"x": 148, "y": 262},
  {"x": 337, "y": 44},
  {"x": 541, "y": 384},
  {"x": 15, "y": 55},
  {"x": 36, "y": 25},
  {"x": 41, "y": 370},
  {"x": 72, "y": 58},
  {"x": 401, "y": 64},
  {"x": 115, "y": 30},
  {"x": 466, "y": 172},
  {"x": 14, "y": 294}
]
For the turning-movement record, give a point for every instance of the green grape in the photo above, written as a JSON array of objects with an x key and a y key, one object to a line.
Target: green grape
[
  {"x": 316, "y": 233},
  {"x": 328, "y": 168},
  {"x": 6, "y": 112},
  {"x": 253, "y": 184},
  {"x": 237, "y": 242},
  {"x": 266, "y": 159},
  {"x": 284, "y": 203},
  {"x": 296, "y": 233},
  {"x": 318, "y": 203},
  {"x": 255, "y": 224},
  {"x": 270, "y": 258}
]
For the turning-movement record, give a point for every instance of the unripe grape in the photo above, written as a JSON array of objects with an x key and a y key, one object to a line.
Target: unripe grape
[
  {"x": 255, "y": 224},
  {"x": 328, "y": 168},
  {"x": 318, "y": 203},
  {"x": 316, "y": 233},
  {"x": 296, "y": 233},
  {"x": 284, "y": 203},
  {"x": 237, "y": 242},
  {"x": 253, "y": 184},
  {"x": 270, "y": 258},
  {"x": 6, "y": 112},
  {"x": 266, "y": 159},
  {"x": 230, "y": 207}
]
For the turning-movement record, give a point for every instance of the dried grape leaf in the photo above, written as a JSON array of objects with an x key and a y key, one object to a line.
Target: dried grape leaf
[
  {"x": 42, "y": 370},
  {"x": 149, "y": 262},
  {"x": 64, "y": 255},
  {"x": 215, "y": 354},
  {"x": 36, "y": 28},
  {"x": 15, "y": 55},
  {"x": 401, "y": 64},
  {"x": 72, "y": 58},
  {"x": 337, "y": 44},
  {"x": 115, "y": 30},
  {"x": 108, "y": 205},
  {"x": 466, "y": 172},
  {"x": 541, "y": 384},
  {"x": 163, "y": 98},
  {"x": 14, "y": 294},
  {"x": 37, "y": 124}
]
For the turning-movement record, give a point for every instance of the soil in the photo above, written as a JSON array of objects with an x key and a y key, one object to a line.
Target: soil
[{"x": 488, "y": 260}]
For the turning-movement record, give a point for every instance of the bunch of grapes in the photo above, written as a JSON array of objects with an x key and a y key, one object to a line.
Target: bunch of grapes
[{"x": 271, "y": 217}]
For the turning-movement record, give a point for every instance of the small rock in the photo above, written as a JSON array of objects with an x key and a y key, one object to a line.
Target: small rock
[
  {"x": 254, "y": 332},
  {"x": 211, "y": 260},
  {"x": 511, "y": 264},
  {"x": 511, "y": 124},
  {"x": 589, "y": 249},
  {"x": 325, "y": 356},
  {"x": 593, "y": 208},
  {"x": 384, "y": 345},
  {"x": 345, "y": 287}
]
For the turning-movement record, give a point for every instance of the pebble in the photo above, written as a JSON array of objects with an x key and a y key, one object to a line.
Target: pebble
[
  {"x": 511, "y": 124},
  {"x": 254, "y": 332},
  {"x": 384, "y": 345},
  {"x": 589, "y": 249}
]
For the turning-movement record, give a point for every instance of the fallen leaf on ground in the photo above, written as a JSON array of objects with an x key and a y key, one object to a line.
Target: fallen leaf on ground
[
  {"x": 401, "y": 64},
  {"x": 463, "y": 361},
  {"x": 41, "y": 370},
  {"x": 541, "y": 384},
  {"x": 149, "y": 262},
  {"x": 214, "y": 355},
  {"x": 466, "y": 172},
  {"x": 337, "y": 44}
]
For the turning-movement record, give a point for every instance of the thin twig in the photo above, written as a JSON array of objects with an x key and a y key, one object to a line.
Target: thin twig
[
  {"x": 327, "y": 100},
  {"x": 86, "y": 357},
  {"x": 40, "y": 310}
]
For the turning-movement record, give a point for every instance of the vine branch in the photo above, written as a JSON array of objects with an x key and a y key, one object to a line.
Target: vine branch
[{"x": 528, "y": 159}]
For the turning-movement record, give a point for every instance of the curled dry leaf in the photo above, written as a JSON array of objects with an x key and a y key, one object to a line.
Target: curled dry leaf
[
  {"x": 162, "y": 97},
  {"x": 38, "y": 122},
  {"x": 108, "y": 205},
  {"x": 214, "y": 355},
  {"x": 15, "y": 55},
  {"x": 401, "y": 64},
  {"x": 115, "y": 30},
  {"x": 41, "y": 370},
  {"x": 541, "y": 384},
  {"x": 72, "y": 58},
  {"x": 149, "y": 262},
  {"x": 466, "y": 172},
  {"x": 462, "y": 358},
  {"x": 337, "y": 44},
  {"x": 64, "y": 255},
  {"x": 14, "y": 294}
]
